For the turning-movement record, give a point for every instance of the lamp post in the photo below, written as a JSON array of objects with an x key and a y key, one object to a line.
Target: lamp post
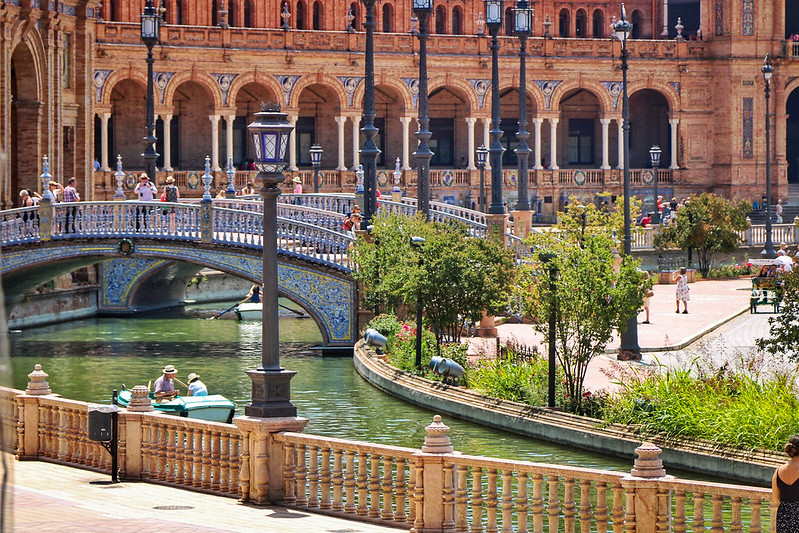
[
  {"x": 584, "y": 223},
  {"x": 417, "y": 243},
  {"x": 494, "y": 23},
  {"x": 316, "y": 161},
  {"x": 523, "y": 27},
  {"x": 150, "y": 33},
  {"x": 422, "y": 10},
  {"x": 359, "y": 188},
  {"x": 622, "y": 29},
  {"x": 369, "y": 151},
  {"x": 482, "y": 155},
  {"x": 768, "y": 70},
  {"x": 271, "y": 393},
  {"x": 396, "y": 192},
  {"x": 547, "y": 259},
  {"x": 654, "y": 157}
]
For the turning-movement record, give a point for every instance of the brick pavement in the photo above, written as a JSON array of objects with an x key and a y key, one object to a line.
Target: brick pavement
[{"x": 47, "y": 497}]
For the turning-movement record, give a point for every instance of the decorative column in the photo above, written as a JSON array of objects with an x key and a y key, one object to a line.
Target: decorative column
[
  {"x": 214, "y": 143},
  {"x": 356, "y": 136},
  {"x": 470, "y": 122},
  {"x": 665, "y": 32},
  {"x": 167, "y": 142},
  {"x": 620, "y": 123},
  {"x": 293, "y": 145},
  {"x": 229, "y": 136},
  {"x": 104, "y": 118},
  {"x": 537, "y": 143},
  {"x": 486, "y": 137},
  {"x": 406, "y": 139},
  {"x": 605, "y": 122},
  {"x": 553, "y": 143},
  {"x": 341, "y": 122},
  {"x": 673, "y": 123}
]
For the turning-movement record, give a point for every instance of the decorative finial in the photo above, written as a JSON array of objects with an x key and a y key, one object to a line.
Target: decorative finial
[
  {"x": 46, "y": 177},
  {"x": 207, "y": 179},
  {"x": 119, "y": 175},
  {"x": 37, "y": 382},
  {"x": 437, "y": 439}
]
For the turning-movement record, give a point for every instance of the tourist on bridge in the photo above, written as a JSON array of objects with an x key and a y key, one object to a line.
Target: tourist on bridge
[
  {"x": 55, "y": 189},
  {"x": 146, "y": 191},
  {"x": 164, "y": 386},
  {"x": 29, "y": 199},
  {"x": 71, "y": 195},
  {"x": 297, "y": 184},
  {"x": 171, "y": 194},
  {"x": 196, "y": 387},
  {"x": 248, "y": 190}
]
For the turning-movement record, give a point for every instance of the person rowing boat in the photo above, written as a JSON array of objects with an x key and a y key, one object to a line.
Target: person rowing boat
[{"x": 164, "y": 386}]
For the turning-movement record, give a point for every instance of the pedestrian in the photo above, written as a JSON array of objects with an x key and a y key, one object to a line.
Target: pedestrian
[
  {"x": 778, "y": 211},
  {"x": 196, "y": 387},
  {"x": 221, "y": 195},
  {"x": 785, "y": 489},
  {"x": 297, "y": 184},
  {"x": 71, "y": 213},
  {"x": 171, "y": 195},
  {"x": 164, "y": 386},
  {"x": 683, "y": 291},
  {"x": 248, "y": 190},
  {"x": 55, "y": 189},
  {"x": 673, "y": 204},
  {"x": 145, "y": 191},
  {"x": 647, "y": 298},
  {"x": 96, "y": 165},
  {"x": 29, "y": 199}
]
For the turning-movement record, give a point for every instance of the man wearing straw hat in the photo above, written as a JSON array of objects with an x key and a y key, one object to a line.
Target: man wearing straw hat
[{"x": 164, "y": 386}]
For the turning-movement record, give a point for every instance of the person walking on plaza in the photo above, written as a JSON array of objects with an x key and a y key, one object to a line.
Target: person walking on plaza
[
  {"x": 647, "y": 299},
  {"x": 71, "y": 195},
  {"x": 164, "y": 386},
  {"x": 785, "y": 489},
  {"x": 683, "y": 291},
  {"x": 145, "y": 191},
  {"x": 196, "y": 387},
  {"x": 778, "y": 211}
]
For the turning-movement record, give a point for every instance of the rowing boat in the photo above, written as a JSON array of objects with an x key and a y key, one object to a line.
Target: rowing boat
[
  {"x": 249, "y": 311},
  {"x": 214, "y": 407}
]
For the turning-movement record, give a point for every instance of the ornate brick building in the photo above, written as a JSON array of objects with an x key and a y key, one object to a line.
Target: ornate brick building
[{"x": 73, "y": 78}]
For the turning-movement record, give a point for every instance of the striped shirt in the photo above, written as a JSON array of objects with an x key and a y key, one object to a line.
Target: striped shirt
[{"x": 71, "y": 194}]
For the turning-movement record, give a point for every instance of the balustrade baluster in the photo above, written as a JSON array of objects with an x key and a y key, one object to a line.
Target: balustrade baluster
[
  {"x": 601, "y": 510},
  {"x": 717, "y": 522},
  {"x": 349, "y": 482},
  {"x": 338, "y": 481},
  {"x": 736, "y": 523},
  {"x": 448, "y": 497},
  {"x": 196, "y": 458},
  {"x": 206, "y": 451},
  {"x": 289, "y": 472},
  {"x": 313, "y": 477},
  {"x": 618, "y": 507},
  {"x": 418, "y": 496},
  {"x": 171, "y": 453},
  {"x": 399, "y": 514},
  {"x": 492, "y": 501},
  {"x": 698, "y": 524},
  {"x": 122, "y": 448},
  {"x": 585, "y": 506},
  {"x": 20, "y": 427},
  {"x": 374, "y": 485},
  {"x": 679, "y": 521},
  {"x": 69, "y": 432},
  {"x": 387, "y": 486},
  {"x": 180, "y": 455},
  {"x": 755, "y": 509},
  {"x": 507, "y": 501},
  {"x": 145, "y": 448},
  {"x": 477, "y": 500},
  {"x": 663, "y": 510},
  {"x": 216, "y": 453},
  {"x": 553, "y": 504},
  {"x": 161, "y": 451},
  {"x": 63, "y": 426},
  {"x": 538, "y": 502},
  {"x": 244, "y": 471},
  {"x": 302, "y": 474},
  {"x": 569, "y": 506},
  {"x": 235, "y": 465},
  {"x": 324, "y": 479},
  {"x": 629, "y": 517},
  {"x": 361, "y": 485}
]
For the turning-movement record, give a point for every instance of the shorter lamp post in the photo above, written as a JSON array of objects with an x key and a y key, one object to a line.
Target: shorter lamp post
[
  {"x": 768, "y": 250},
  {"x": 654, "y": 156},
  {"x": 271, "y": 387},
  {"x": 396, "y": 192},
  {"x": 584, "y": 220},
  {"x": 316, "y": 161},
  {"x": 482, "y": 156},
  {"x": 418, "y": 244},
  {"x": 547, "y": 258}
]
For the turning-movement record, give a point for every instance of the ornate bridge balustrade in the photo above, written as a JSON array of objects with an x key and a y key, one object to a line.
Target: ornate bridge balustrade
[{"x": 269, "y": 461}]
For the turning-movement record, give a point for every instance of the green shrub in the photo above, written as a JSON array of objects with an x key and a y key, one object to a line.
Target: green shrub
[
  {"x": 388, "y": 326},
  {"x": 402, "y": 354}
]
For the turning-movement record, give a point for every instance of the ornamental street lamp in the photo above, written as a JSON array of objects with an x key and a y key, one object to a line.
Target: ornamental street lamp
[
  {"x": 150, "y": 33},
  {"x": 422, "y": 10},
  {"x": 547, "y": 259},
  {"x": 482, "y": 155},
  {"x": 654, "y": 157},
  {"x": 369, "y": 151},
  {"x": 768, "y": 70},
  {"x": 494, "y": 23},
  {"x": 271, "y": 391},
  {"x": 417, "y": 243},
  {"x": 316, "y": 161},
  {"x": 622, "y": 29},
  {"x": 523, "y": 27}
]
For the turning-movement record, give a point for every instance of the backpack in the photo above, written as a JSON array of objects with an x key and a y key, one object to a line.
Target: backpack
[{"x": 171, "y": 193}]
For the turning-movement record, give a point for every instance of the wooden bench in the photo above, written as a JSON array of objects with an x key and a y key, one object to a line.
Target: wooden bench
[{"x": 765, "y": 291}]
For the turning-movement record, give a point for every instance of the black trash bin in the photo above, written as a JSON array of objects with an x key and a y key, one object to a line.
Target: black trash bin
[{"x": 101, "y": 422}]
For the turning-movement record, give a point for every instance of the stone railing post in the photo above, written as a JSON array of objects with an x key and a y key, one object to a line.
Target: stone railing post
[
  {"x": 438, "y": 511},
  {"x": 748, "y": 232},
  {"x": 29, "y": 413},
  {"x": 140, "y": 402},
  {"x": 796, "y": 229},
  {"x": 261, "y": 475},
  {"x": 647, "y": 508},
  {"x": 522, "y": 220}
]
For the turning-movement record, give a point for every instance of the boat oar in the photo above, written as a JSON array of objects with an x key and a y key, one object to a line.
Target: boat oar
[{"x": 232, "y": 307}]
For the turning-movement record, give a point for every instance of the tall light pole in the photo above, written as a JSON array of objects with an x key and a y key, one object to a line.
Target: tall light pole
[
  {"x": 316, "y": 162},
  {"x": 482, "y": 155},
  {"x": 417, "y": 243},
  {"x": 369, "y": 151},
  {"x": 654, "y": 157},
  {"x": 494, "y": 23},
  {"x": 523, "y": 27},
  {"x": 150, "y": 33},
  {"x": 422, "y": 10},
  {"x": 548, "y": 259},
  {"x": 622, "y": 29},
  {"x": 768, "y": 70},
  {"x": 271, "y": 390}
]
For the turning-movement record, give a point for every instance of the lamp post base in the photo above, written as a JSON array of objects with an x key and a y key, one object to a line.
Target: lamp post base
[{"x": 271, "y": 394}]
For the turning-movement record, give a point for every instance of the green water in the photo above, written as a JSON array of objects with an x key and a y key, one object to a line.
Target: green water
[{"x": 87, "y": 359}]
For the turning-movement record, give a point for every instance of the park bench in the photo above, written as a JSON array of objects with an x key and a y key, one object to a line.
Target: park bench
[{"x": 765, "y": 291}]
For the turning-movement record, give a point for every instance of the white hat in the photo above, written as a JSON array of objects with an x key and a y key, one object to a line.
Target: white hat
[
  {"x": 193, "y": 377},
  {"x": 169, "y": 369},
  {"x": 296, "y": 179}
]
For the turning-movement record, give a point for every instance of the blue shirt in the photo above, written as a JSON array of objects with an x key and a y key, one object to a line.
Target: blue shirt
[{"x": 197, "y": 388}]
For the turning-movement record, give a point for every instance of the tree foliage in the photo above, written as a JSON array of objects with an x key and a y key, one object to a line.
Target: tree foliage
[
  {"x": 593, "y": 293},
  {"x": 457, "y": 276},
  {"x": 784, "y": 328},
  {"x": 708, "y": 224}
]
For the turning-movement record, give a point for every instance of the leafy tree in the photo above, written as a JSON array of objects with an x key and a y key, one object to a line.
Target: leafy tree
[
  {"x": 457, "y": 276},
  {"x": 784, "y": 328},
  {"x": 593, "y": 294},
  {"x": 708, "y": 224}
]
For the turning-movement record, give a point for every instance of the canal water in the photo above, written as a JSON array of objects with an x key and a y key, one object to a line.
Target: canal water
[{"x": 87, "y": 359}]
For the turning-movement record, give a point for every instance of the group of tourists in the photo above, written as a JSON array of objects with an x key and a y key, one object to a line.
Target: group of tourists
[
  {"x": 667, "y": 211},
  {"x": 165, "y": 385}
]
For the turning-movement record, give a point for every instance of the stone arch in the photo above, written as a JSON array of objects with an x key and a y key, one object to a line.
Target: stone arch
[
  {"x": 316, "y": 110},
  {"x": 509, "y": 120},
  {"x": 127, "y": 100},
  {"x": 649, "y": 121},
  {"x": 669, "y": 92},
  {"x": 201, "y": 78},
  {"x": 388, "y": 81},
  {"x": 336, "y": 86},
  {"x": 595, "y": 88},
  {"x": 580, "y": 108},
  {"x": 267, "y": 82},
  {"x": 192, "y": 104},
  {"x": 119, "y": 76},
  {"x": 465, "y": 90},
  {"x": 245, "y": 101},
  {"x": 450, "y": 103}
]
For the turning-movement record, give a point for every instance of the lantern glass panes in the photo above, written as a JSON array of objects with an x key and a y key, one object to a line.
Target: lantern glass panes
[
  {"x": 523, "y": 18},
  {"x": 494, "y": 12},
  {"x": 482, "y": 155},
  {"x": 423, "y": 4},
  {"x": 316, "y": 155},
  {"x": 270, "y": 134},
  {"x": 654, "y": 155},
  {"x": 768, "y": 69},
  {"x": 149, "y": 25}
]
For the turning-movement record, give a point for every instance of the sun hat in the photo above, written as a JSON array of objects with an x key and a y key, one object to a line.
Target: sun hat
[
  {"x": 169, "y": 369},
  {"x": 193, "y": 377},
  {"x": 296, "y": 179},
  {"x": 170, "y": 179},
  {"x": 144, "y": 175},
  {"x": 52, "y": 184},
  {"x": 23, "y": 192}
]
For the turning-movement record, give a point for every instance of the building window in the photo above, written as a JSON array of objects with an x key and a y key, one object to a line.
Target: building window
[
  {"x": 66, "y": 62},
  {"x": 300, "y": 16},
  {"x": 636, "y": 22},
  {"x": 580, "y": 23},
  {"x": 355, "y": 13},
  {"x": 442, "y": 142},
  {"x": 581, "y": 141},
  {"x": 231, "y": 14},
  {"x": 388, "y": 18},
  {"x": 113, "y": 10},
  {"x": 441, "y": 20},
  {"x": 563, "y": 23},
  {"x": 178, "y": 19},
  {"x": 508, "y": 21},
  {"x": 457, "y": 21},
  {"x": 317, "y": 16},
  {"x": 215, "y": 13},
  {"x": 305, "y": 130},
  {"x": 248, "y": 8},
  {"x": 599, "y": 24}
]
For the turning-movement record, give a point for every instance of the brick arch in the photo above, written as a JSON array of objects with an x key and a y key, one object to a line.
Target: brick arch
[
  {"x": 268, "y": 82},
  {"x": 25, "y": 34},
  {"x": 462, "y": 87},
  {"x": 667, "y": 91},
  {"x": 595, "y": 88},
  {"x": 533, "y": 93},
  {"x": 202, "y": 79},
  {"x": 388, "y": 81},
  {"x": 790, "y": 87},
  {"x": 117, "y": 77},
  {"x": 318, "y": 79}
]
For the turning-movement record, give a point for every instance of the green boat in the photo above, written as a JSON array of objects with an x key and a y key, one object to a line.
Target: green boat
[{"x": 214, "y": 407}]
